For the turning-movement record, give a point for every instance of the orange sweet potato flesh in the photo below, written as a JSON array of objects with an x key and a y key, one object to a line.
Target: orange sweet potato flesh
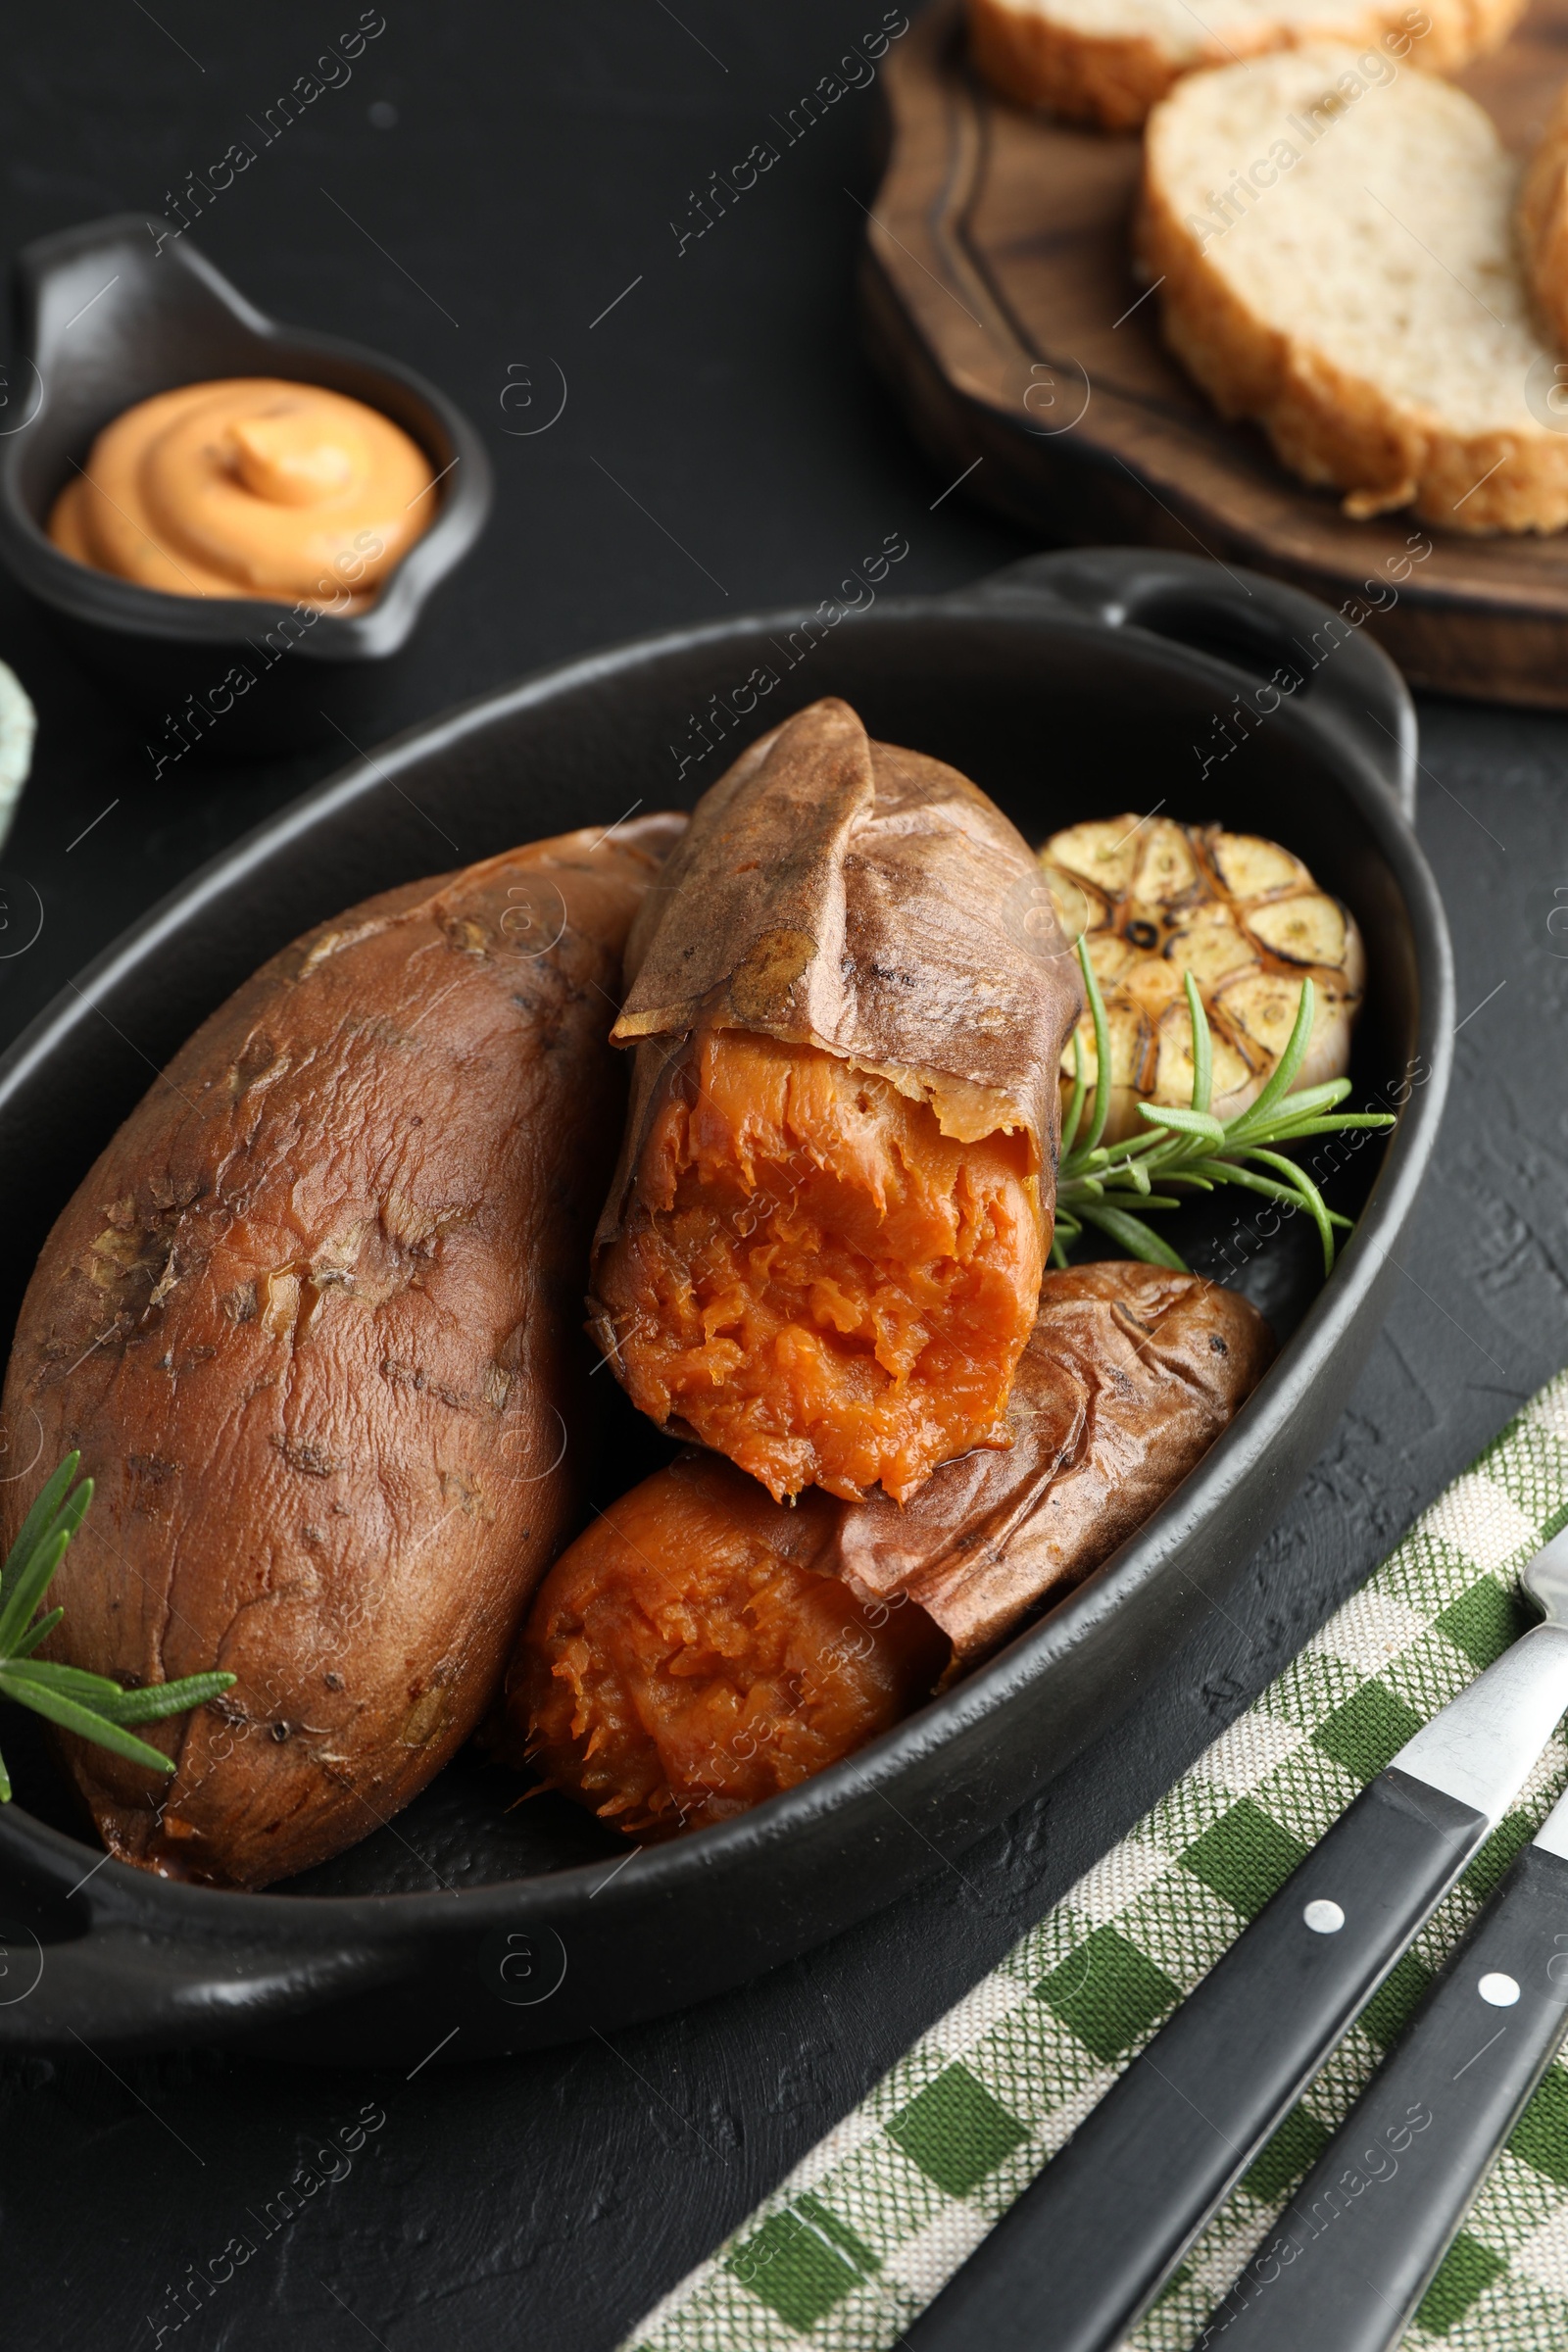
[
  {"x": 701, "y": 1647},
  {"x": 823, "y": 1250},
  {"x": 312, "y": 1320},
  {"x": 816, "y": 1280},
  {"x": 692, "y": 1653}
]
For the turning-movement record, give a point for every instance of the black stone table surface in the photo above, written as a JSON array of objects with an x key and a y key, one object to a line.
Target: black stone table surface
[{"x": 496, "y": 192}]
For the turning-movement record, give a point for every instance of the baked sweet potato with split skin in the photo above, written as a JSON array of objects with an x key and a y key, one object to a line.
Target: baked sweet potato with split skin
[
  {"x": 701, "y": 1647},
  {"x": 823, "y": 1250},
  {"x": 312, "y": 1320}
]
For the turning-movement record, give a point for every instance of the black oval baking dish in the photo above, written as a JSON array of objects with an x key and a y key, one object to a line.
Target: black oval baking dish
[
  {"x": 114, "y": 311},
  {"x": 1070, "y": 686}
]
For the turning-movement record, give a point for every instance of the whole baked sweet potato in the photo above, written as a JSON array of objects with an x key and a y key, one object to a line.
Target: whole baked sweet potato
[{"x": 312, "y": 1320}]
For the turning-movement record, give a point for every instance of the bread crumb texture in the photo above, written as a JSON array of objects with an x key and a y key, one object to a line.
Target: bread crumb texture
[
  {"x": 1109, "y": 61},
  {"x": 1337, "y": 242}
]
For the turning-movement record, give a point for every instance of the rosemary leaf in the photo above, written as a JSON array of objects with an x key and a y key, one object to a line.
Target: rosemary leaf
[
  {"x": 1311, "y": 1198},
  {"x": 1136, "y": 1238},
  {"x": 1110, "y": 1155},
  {"x": 39, "y": 1631},
  {"x": 1230, "y": 1171},
  {"x": 72, "y": 1717},
  {"x": 153, "y": 1700},
  {"x": 30, "y": 1588},
  {"x": 1289, "y": 1062},
  {"x": 1075, "y": 1101},
  {"x": 1184, "y": 1122},
  {"x": 1307, "y": 1100},
  {"x": 1110, "y": 1186},
  {"x": 92, "y": 1706},
  {"x": 1288, "y": 1130},
  {"x": 38, "y": 1519},
  {"x": 38, "y": 1564},
  {"x": 1085, "y": 1192},
  {"x": 75, "y": 1681},
  {"x": 1097, "y": 1008},
  {"x": 1203, "y": 1049}
]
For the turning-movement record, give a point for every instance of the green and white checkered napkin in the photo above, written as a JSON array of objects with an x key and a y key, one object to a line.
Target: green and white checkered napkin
[{"x": 873, "y": 2221}]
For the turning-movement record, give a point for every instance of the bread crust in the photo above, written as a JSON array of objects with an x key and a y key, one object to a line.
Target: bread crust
[
  {"x": 1115, "y": 80},
  {"x": 1542, "y": 219},
  {"x": 1112, "y": 81},
  {"x": 1336, "y": 429}
]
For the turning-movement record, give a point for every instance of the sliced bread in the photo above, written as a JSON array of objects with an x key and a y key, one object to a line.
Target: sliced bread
[
  {"x": 1335, "y": 253},
  {"x": 1543, "y": 224},
  {"x": 1109, "y": 61}
]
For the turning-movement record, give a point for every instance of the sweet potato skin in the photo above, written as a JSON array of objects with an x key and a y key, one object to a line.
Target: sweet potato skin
[
  {"x": 701, "y": 1647},
  {"x": 1130, "y": 1374},
  {"x": 311, "y": 1320},
  {"x": 835, "y": 892}
]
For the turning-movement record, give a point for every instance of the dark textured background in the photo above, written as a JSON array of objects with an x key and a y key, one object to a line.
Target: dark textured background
[{"x": 535, "y": 160}]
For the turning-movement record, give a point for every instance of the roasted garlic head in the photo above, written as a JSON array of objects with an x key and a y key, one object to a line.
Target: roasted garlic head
[{"x": 1153, "y": 900}]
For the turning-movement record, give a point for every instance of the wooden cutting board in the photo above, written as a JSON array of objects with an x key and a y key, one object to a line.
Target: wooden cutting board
[{"x": 1002, "y": 307}]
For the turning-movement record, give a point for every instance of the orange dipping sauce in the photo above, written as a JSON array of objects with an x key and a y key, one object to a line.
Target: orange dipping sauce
[{"x": 249, "y": 486}]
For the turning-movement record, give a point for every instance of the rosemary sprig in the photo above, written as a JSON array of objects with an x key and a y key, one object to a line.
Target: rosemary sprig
[
  {"x": 1112, "y": 1188},
  {"x": 89, "y": 1704}
]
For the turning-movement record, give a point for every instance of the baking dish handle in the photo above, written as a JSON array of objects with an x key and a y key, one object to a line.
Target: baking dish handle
[
  {"x": 127, "y": 1978},
  {"x": 1278, "y": 641}
]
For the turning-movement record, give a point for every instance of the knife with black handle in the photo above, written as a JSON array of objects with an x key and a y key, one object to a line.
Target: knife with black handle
[
  {"x": 1072, "y": 2265},
  {"x": 1360, "y": 2241}
]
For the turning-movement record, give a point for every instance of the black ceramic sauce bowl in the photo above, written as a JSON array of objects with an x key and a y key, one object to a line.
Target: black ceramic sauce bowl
[
  {"x": 1071, "y": 686},
  {"x": 115, "y": 310}
]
